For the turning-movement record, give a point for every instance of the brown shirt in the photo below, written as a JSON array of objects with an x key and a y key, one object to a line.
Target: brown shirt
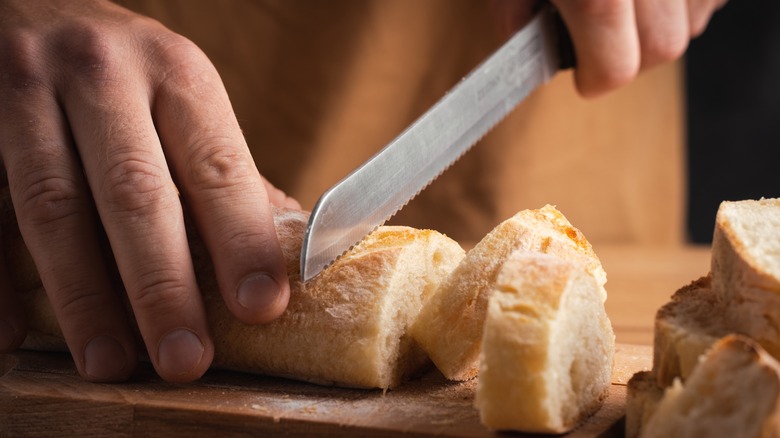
[{"x": 318, "y": 87}]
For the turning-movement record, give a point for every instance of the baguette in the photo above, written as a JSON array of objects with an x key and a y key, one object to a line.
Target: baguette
[
  {"x": 449, "y": 327},
  {"x": 547, "y": 347},
  {"x": 733, "y": 392},
  {"x": 347, "y": 327}
]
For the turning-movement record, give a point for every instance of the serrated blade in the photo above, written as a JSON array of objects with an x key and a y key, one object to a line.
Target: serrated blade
[{"x": 376, "y": 190}]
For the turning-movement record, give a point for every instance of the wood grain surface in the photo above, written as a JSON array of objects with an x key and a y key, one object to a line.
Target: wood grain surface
[
  {"x": 640, "y": 279},
  {"x": 42, "y": 395}
]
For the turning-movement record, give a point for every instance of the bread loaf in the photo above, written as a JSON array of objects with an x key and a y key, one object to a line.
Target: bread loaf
[
  {"x": 450, "y": 325},
  {"x": 348, "y": 326},
  {"x": 733, "y": 392},
  {"x": 547, "y": 347}
]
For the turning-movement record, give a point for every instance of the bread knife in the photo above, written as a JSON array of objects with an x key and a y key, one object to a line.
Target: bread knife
[{"x": 375, "y": 191}]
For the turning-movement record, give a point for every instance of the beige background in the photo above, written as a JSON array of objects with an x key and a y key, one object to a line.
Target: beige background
[{"x": 320, "y": 86}]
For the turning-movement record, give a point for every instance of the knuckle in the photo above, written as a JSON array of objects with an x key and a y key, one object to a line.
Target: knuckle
[
  {"x": 76, "y": 302},
  {"x": 135, "y": 186},
  {"x": 237, "y": 240},
  {"x": 600, "y": 9},
  {"x": 181, "y": 62},
  {"x": 619, "y": 74},
  {"x": 657, "y": 49},
  {"x": 213, "y": 165},
  {"x": 158, "y": 290},
  {"x": 48, "y": 199},
  {"x": 23, "y": 67},
  {"x": 91, "y": 52},
  {"x": 177, "y": 50},
  {"x": 591, "y": 84},
  {"x": 697, "y": 25},
  {"x": 618, "y": 79}
]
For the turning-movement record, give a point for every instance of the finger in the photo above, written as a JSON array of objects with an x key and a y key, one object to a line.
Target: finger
[
  {"x": 107, "y": 103},
  {"x": 605, "y": 42},
  {"x": 512, "y": 14},
  {"x": 221, "y": 185},
  {"x": 699, "y": 14},
  {"x": 56, "y": 221},
  {"x": 663, "y": 30}
]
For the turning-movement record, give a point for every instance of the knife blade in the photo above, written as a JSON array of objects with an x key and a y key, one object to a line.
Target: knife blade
[{"x": 375, "y": 191}]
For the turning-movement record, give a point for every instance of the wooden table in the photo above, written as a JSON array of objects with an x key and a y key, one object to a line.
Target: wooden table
[
  {"x": 42, "y": 395},
  {"x": 641, "y": 279}
]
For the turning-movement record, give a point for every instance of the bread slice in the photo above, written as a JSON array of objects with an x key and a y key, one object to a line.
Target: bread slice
[
  {"x": 642, "y": 397},
  {"x": 746, "y": 268},
  {"x": 733, "y": 392},
  {"x": 347, "y": 327},
  {"x": 547, "y": 347},
  {"x": 685, "y": 328},
  {"x": 746, "y": 247},
  {"x": 450, "y": 325}
]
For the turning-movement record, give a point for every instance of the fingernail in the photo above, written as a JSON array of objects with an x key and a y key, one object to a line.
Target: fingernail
[
  {"x": 179, "y": 352},
  {"x": 104, "y": 358},
  {"x": 7, "y": 335},
  {"x": 258, "y": 292}
]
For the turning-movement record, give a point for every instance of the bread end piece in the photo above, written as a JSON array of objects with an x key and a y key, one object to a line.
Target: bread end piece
[
  {"x": 449, "y": 327},
  {"x": 547, "y": 347},
  {"x": 746, "y": 268},
  {"x": 746, "y": 247},
  {"x": 347, "y": 326}
]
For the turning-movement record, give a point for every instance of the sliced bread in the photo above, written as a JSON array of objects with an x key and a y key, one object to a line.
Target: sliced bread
[
  {"x": 746, "y": 268},
  {"x": 642, "y": 397},
  {"x": 547, "y": 346},
  {"x": 746, "y": 247},
  {"x": 685, "y": 328},
  {"x": 734, "y": 313},
  {"x": 449, "y": 327},
  {"x": 733, "y": 392}
]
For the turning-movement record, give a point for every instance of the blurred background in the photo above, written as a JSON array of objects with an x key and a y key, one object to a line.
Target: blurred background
[
  {"x": 318, "y": 87},
  {"x": 733, "y": 116}
]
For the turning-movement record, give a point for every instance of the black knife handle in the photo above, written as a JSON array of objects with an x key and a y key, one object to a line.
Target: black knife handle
[{"x": 566, "y": 54}]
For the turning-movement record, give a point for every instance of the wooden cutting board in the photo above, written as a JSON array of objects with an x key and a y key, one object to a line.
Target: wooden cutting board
[{"x": 42, "y": 395}]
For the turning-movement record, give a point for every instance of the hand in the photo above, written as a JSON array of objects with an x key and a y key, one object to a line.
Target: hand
[
  {"x": 109, "y": 119},
  {"x": 615, "y": 39}
]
